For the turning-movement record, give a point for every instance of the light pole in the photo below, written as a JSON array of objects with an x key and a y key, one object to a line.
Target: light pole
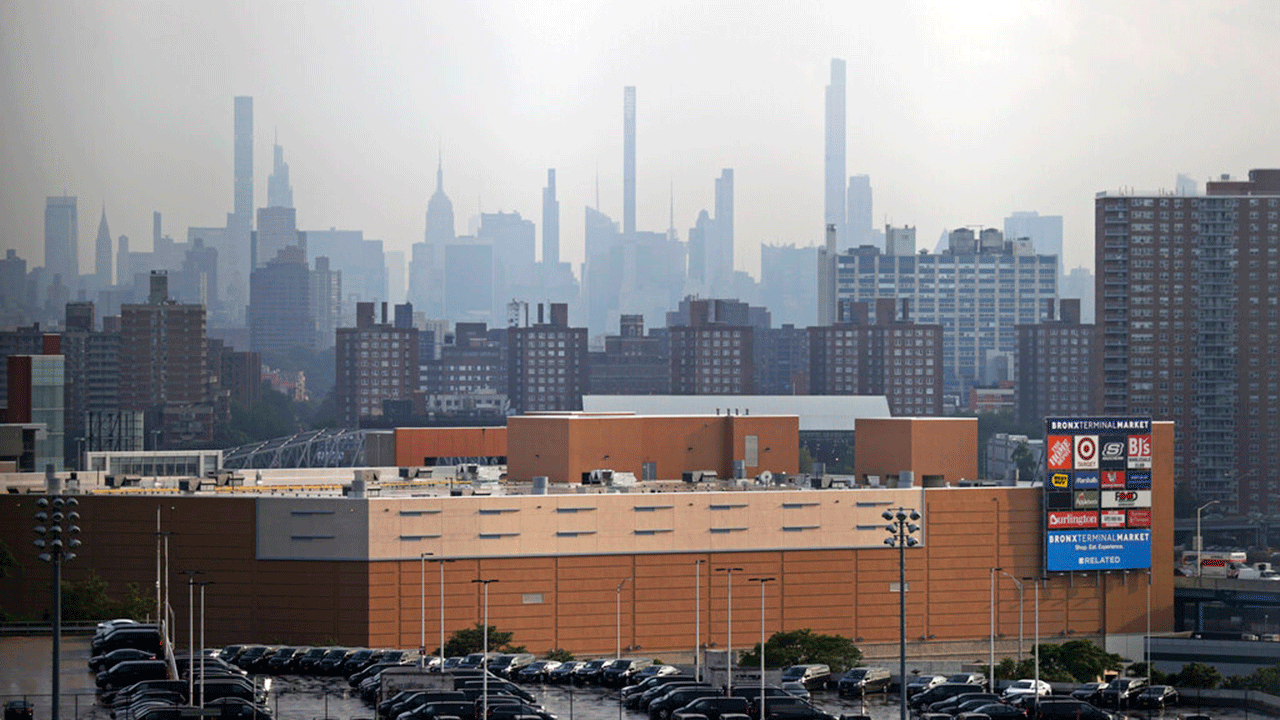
[
  {"x": 991, "y": 666},
  {"x": 762, "y": 581},
  {"x": 55, "y": 552},
  {"x": 697, "y": 619},
  {"x": 1037, "y": 691},
  {"x": 191, "y": 627},
  {"x": 1018, "y": 583},
  {"x": 484, "y": 652},
  {"x": 1199, "y": 537},
  {"x": 442, "y": 561},
  {"x": 617, "y": 620},
  {"x": 901, "y": 529},
  {"x": 728, "y": 659},
  {"x": 1147, "y": 647},
  {"x": 422, "y": 610},
  {"x": 202, "y": 686}
]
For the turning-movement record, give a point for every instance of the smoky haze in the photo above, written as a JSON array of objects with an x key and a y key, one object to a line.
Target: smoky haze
[{"x": 960, "y": 112}]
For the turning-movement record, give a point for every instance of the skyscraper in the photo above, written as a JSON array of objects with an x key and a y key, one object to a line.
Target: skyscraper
[
  {"x": 102, "y": 254},
  {"x": 550, "y": 221},
  {"x": 61, "y": 239},
  {"x": 244, "y": 156},
  {"x": 859, "y": 211},
  {"x": 834, "y": 155},
  {"x": 722, "y": 250},
  {"x": 1045, "y": 232},
  {"x": 279, "y": 191},
  {"x": 277, "y": 230},
  {"x": 629, "y": 160}
]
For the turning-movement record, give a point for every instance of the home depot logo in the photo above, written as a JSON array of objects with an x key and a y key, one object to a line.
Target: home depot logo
[{"x": 1061, "y": 450}]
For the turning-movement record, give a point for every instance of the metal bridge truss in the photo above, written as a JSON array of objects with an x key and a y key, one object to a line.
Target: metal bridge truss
[{"x": 311, "y": 449}]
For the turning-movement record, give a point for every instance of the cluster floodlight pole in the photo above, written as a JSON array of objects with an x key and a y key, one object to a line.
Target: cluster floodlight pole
[
  {"x": 762, "y": 581},
  {"x": 203, "y": 585},
  {"x": 191, "y": 625},
  {"x": 1199, "y": 537},
  {"x": 55, "y": 551},
  {"x": 617, "y": 620},
  {"x": 422, "y": 610},
  {"x": 442, "y": 561},
  {"x": 902, "y": 529},
  {"x": 697, "y": 619},
  {"x": 728, "y": 659}
]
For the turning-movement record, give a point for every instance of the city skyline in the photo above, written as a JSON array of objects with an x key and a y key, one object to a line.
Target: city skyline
[{"x": 1110, "y": 84}]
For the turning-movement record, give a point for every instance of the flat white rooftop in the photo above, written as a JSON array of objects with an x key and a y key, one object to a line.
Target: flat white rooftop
[{"x": 817, "y": 413}]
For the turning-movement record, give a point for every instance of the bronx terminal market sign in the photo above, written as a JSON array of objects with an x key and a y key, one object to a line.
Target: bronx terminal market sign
[{"x": 1097, "y": 493}]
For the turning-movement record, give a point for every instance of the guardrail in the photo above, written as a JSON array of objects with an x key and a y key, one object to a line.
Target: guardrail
[{"x": 43, "y": 627}]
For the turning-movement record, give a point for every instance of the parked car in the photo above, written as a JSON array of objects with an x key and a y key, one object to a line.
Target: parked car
[
  {"x": 970, "y": 678},
  {"x": 564, "y": 673},
  {"x": 98, "y": 663},
  {"x": 619, "y": 672},
  {"x": 507, "y": 663},
  {"x": 443, "y": 709},
  {"x": 921, "y": 683},
  {"x": 19, "y": 710},
  {"x": 812, "y": 675},
  {"x": 1157, "y": 696},
  {"x": 141, "y": 637},
  {"x": 1027, "y": 687},
  {"x": 536, "y": 671},
  {"x": 949, "y": 705},
  {"x": 332, "y": 661},
  {"x": 1120, "y": 693},
  {"x": 662, "y": 707},
  {"x": 863, "y": 681},
  {"x": 589, "y": 673},
  {"x": 128, "y": 672},
  {"x": 356, "y": 661},
  {"x": 772, "y": 693},
  {"x": 793, "y": 709},
  {"x": 797, "y": 689},
  {"x": 654, "y": 670},
  {"x": 1000, "y": 711},
  {"x": 711, "y": 708},
  {"x": 1051, "y": 708},
  {"x": 1088, "y": 692},
  {"x": 944, "y": 691},
  {"x": 642, "y": 699}
]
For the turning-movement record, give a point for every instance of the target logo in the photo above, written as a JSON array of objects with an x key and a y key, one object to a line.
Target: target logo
[{"x": 1086, "y": 452}]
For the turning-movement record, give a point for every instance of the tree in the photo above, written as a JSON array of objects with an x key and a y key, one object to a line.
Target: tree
[
  {"x": 1025, "y": 461},
  {"x": 1075, "y": 661},
  {"x": 559, "y": 655},
  {"x": 806, "y": 460},
  {"x": 470, "y": 640},
  {"x": 1207, "y": 677},
  {"x": 800, "y": 647}
]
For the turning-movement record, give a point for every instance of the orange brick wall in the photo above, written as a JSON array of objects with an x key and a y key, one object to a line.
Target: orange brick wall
[
  {"x": 926, "y": 446},
  {"x": 414, "y": 444}
]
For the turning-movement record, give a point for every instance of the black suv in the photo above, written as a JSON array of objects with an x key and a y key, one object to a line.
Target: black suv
[
  {"x": 1121, "y": 692},
  {"x": 862, "y": 681}
]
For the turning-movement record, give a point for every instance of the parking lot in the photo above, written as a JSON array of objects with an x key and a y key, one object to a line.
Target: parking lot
[{"x": 25, "y": 663}]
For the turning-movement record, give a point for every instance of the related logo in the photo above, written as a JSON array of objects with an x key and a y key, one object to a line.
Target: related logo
[
  {"x": 1057, "y": 500},
  {"x": 1086, "y": 481},
  {"x": 1060, "y": 452},
  {"x": 1140, "y": 452},
  {"x": 1086, "y": 499},
  {"x": 1112, "y": 479},
  {"x": 1072, "y": 519},
  {"x": 1111, "y": 452},
  {"x": 1086, "y": 452},
  {"x": 1113, "y": 518},
  {"x": 1126, "y": 499},
  {"x": 1140, "y": 518},
  {"x": 1139, "y": 480},
  {"x": 1060, "y": 480}
]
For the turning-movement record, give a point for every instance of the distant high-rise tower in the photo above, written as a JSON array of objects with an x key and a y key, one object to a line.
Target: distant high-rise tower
[
  {"x": 102, "y": 254},
  {"x": 722, "y": 252},
  {"x": 835, "y": 162},
  {"x": 859, "y": 211},
  {"x": 244, "y": 157},
  {"x": 629, "y": 160},
  {"x": 279, "y": 191},
  {"x": 61, "y": 239},
  {"x": 1045, "y": 232},
  {"x": 550, "y": 221}
]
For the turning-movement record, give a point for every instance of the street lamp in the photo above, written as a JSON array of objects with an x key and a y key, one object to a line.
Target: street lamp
[
  {"x": 191, "y": 627},
  {"x": 1018, "y": 583},
  {"x": 697, "y": 619},
  {"x": 762, "y": 581},
  {"x": 1199, "y": 537},
  {"x": 901, "y": 529},
  {"x": 442, "y": 561},
  {"x": 202, "y": 686},
  {"x": 49, "y": 531},
  {"x": 728, "y": 659},
  {"x": 484, "y": 652},
  {"x": 617, "y": 620},
  {"x": 422, "y": 610}
]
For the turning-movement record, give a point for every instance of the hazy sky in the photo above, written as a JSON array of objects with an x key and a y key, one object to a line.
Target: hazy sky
[{"x": 961, "y": 112}]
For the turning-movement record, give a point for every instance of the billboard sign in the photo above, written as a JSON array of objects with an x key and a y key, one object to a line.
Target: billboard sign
[{"x": 1104, "y": 522}]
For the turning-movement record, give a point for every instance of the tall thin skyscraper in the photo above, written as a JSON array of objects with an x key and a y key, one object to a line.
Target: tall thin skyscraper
[
  {"x": 550, "y": 221},
  {"x": 835, "y": 161},
  {"x": 860, "y": 230},
  {"x": 279, "y": 191},
  {"x": 102, "y": 254},
  {"x": 244, "y": 157},
  {"x": 62, "y": 239},
  {"x": 722, "y": 251},
  {"x": 629, "y": 160}
]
